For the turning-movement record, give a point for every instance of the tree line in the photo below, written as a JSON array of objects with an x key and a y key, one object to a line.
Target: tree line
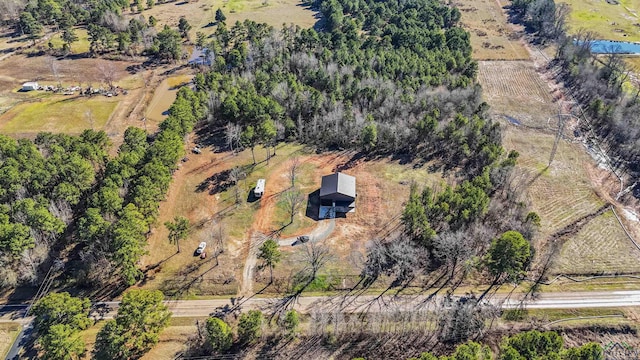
[
  {"x": 124, "y": 204},
  {"x": 527, "y": 345},
  {"x": 43, "y": 188},
  {"x": 61, "y": 190}
]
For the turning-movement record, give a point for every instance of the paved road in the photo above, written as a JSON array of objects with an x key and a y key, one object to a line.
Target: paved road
[{"x": 203, "y": 308}]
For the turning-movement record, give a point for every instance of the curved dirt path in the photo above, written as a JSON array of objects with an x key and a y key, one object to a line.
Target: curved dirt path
[{"x": 262, "y": 229}]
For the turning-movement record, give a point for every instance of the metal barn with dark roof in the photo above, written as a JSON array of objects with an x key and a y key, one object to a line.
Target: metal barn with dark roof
[{"x": 338, "y": 191}]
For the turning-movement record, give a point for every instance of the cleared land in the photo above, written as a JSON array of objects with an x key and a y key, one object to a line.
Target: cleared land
[
  {"x": 201, "y": 191},
  {"x": 68, "y": 115},
  {"x": 561, "y": 193},
  {"x": 492, "y": 37},
  {"x": 25, "y": 114},
  {"x": 613, "y": 19},
  {"x": 201, "y": 14},
  {"x": 566, "y": 190},
  {"x": 599, "y": 248},
  {"x": 515, "y": 89}
]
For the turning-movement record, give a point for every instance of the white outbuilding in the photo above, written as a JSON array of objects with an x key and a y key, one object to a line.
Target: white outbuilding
[{"x": 29, "y": 86}]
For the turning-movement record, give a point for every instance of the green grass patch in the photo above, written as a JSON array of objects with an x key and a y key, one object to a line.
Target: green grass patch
[
  {"x": 320, "y": 283},
  {"x": 561, "y": 314},
  {"x": 609, "y": 21},
  {"x": 79, "y": 47},
  {"x": 238, "y": 219},
  {"x": 67, "y": 115},
  {"x": 281, "y": 217},
  {"x": 233, "y": 5}
]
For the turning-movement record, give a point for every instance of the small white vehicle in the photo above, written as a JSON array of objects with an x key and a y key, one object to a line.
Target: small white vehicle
[
  {"x": 201, "y": 248},
  {"x": 258, "y": 191},
  {"x": 196, "y": 150}
]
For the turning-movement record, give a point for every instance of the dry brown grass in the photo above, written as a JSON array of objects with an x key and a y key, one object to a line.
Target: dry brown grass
[
  {"x": 564, "y": 191},
  {"x": 8, "y": 333},
  {"x": 200, "y": 14},
  {"x": 515, "y": 89},
  {"x": 560, "y": 194},
  {"x": 171, "y": 343},
  {"x": 600, "y": 247},
  {"x": 492, "y": 36}
]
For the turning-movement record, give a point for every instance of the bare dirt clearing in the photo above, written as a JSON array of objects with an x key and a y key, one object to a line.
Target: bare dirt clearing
[{"x": 201, "y": 191}]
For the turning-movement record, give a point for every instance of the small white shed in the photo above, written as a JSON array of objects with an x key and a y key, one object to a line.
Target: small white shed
[
  {"x": 258, "y": 191},
  {"x": 29, "y": 86}
]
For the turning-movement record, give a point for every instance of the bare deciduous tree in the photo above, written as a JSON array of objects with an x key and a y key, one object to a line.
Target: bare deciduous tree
[
  {"x": 293, "y": 202},
  {"x": 463, "y": 319},
  {"x": 452, "y": 248},
  {"x": 232, "y": 133},
  {"x": 235, "y": 176},
  {"x": 107, "y": 72},
  {"x": 315, "y": 256},
  {"x": 292, "y": 171},
  {"x": 11, "y": 9}
]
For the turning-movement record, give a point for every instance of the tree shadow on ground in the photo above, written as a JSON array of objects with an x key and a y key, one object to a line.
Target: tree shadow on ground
[{"x": 216, "y": 183}]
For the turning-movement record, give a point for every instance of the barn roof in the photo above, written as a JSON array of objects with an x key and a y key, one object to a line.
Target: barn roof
[{"x": 338, "y": 183}]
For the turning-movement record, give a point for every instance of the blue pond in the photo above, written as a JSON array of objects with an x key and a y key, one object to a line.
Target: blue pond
[{"x": 614, "y": 47}]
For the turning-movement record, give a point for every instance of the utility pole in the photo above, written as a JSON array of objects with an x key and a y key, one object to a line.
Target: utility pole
[{"x": 562, "y": 121}]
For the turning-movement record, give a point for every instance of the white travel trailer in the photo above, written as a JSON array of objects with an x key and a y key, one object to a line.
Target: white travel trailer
[{"x": 258, "y": 191}]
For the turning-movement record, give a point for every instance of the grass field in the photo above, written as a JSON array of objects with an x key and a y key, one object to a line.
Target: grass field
[
  {"x": 492, "y": 37},
  {"x": 515, "y": 89},
  {"x": 79, "y": 47},
  {"x": 564, "y": 191},
  {"x": 164, "y": 96},
  {"x": 68, "y": 115},
  {"x": 610, "y": 21},
  {"x": 8, "y": 334},
  {"x": 601, "y": 247},
  {"x": 560, "y": 194},
  {"x": 200, "y": 14}
]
